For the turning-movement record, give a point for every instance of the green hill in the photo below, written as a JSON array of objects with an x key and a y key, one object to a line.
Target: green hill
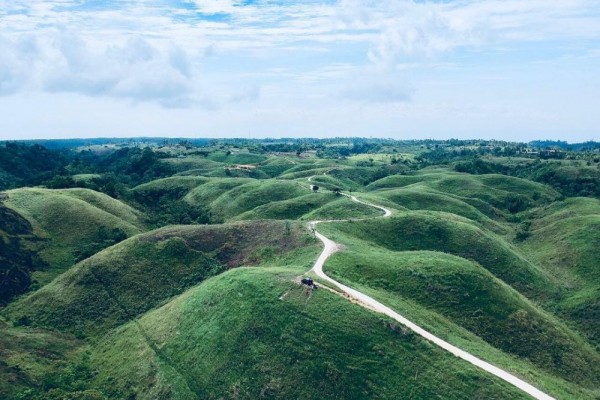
[
  {"x": 73, "y": 223},
  {"x": 311, "y": 206},
  {"x": 251, "y": 195},
  {"x": 200, "y": 165},
  {"x": 564, "y": 239},
  {"x": 423, "y": 199},
  {"x": 37, "y": 361},
  {"x": 279, "y": 343},
  {"x": 125, "y": 280},
  {"x": 211, "y": 190},
  {"x": 17, "y": 260},
  {"x": 469, "y": 296},
  {"x": 499, "y": 191},
  {"x": 508, "y": 193},
  {"x": 166, "y": 185},
  {"x": 189, "y": 286},
  {"x": 450, "y": 234},
  {"x": 398, "y": 181}
]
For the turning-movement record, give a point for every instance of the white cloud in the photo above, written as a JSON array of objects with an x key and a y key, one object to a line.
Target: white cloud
[
  {"x": 135, "y": 69},
  {"x": 217, "y": 6},
  {"x": 249, "y": 93},
  {"x": 283, "y": 55},
  {"x": 409, "y": 29},
  {"x": 16, "y": 57},
  {"x": 378, "y": 92}
]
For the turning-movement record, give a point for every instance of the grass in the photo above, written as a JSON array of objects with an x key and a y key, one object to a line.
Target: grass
[
  {"x": 450, "y": 234},
  {"x": 466, "y": 340},
  {"x": 330, "y": 182},
  {"x": 380, "y": 158},
  {"x": 311, "y": 206},
  {"x": 210, "y": 191},
  {"x": 31, "y": 358},
  {"x": 279, "y": 344},
  {"x": 85, "y": 177},
  {"x": 192, "y": 162},
  {"x": 71, "y": 221},
  {"x": 175, "y": 183},
  {"x": 342, "y": 208},
  {"x": 138, "y": 274},
  {"x": 398, "y": 181},
  {"x": 304, "y": 171},
  {"x": 413, "y": 199},
  {"x": 236, "y": 158},
  {"x": 563, "y": 239},
  {"x": 496, "y": 265},
  {"x": 497, "y": 190},
  {"x": 484, "y": 192},
  {"x": 469, "y": 296},
  {"x": 251, "y": 195},
  {"x": 290, "y": 209}
]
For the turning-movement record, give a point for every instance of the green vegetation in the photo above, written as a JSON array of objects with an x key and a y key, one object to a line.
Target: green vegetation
[
  {"x": 454, "y": 235},
  {"x": 38, "y": 362},
  {"x": 155, "y": 268},
  {"x": 277, "y": 337},
  {"x": 72, "y": 224},
  {"x": 17, "y": 261},
  {"x": 564, "y": 239},
  {"x": 138, "y": 274},
  {"x": 466, "y": 294}
]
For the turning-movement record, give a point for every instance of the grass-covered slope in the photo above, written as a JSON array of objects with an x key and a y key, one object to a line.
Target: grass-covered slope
[
  {"x": 253, "y": 333},
  {"x": 398, "y": 181},
  {"x": 74, "y": 223},
  {"x": 311, "y": 206},
  {"x": 232, "y": 199},
  {"x": 251, "y": 195},
  {"x": 469, "y": 296},
  {"x": 17, "y": 260},
  {"x": 564, "y": 239},
  {"x": 125, "y": 280},
  {"x": 210, "y": 191},
  {"x": 37, "y": 358},
  {"x": 447, "y": 233},
  {"x": 496, "y": 265},
  {"x": 494, "y": 191},
  {"x": 423, "y": 199},
  {"x": 177, "y": 184}
]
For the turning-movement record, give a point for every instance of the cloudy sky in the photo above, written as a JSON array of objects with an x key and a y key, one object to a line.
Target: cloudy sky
[{"x": 505, "y": 69}]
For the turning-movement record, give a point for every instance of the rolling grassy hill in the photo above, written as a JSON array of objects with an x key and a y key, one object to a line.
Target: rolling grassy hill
[
  {"x": 467, "y": 295},
  {"x": 564, "y": 239},
  {"x": 139, "y": 274},
  {"x": 191, "y": 289},
  {"x": 280, "y": 343},
  {"x": 492, "y": 188},
  {"x": 231, "y": 199},
  {"x": 36, "y": 361},
  {"x": 450, "y": 234},
  {"x": 72, "y": 223}
]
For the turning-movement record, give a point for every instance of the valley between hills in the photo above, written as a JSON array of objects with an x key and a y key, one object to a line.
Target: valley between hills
[{"x": 160, "y": 270}]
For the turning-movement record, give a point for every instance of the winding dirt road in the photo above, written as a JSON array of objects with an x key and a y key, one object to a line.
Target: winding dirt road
[{"x": 368, "y": 302}]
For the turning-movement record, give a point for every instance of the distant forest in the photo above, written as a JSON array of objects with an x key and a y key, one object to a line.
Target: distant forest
[{"x": 119, "y": 164}]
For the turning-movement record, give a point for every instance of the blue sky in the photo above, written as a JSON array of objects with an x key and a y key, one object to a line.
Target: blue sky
[{"x": 505, "y": 69}]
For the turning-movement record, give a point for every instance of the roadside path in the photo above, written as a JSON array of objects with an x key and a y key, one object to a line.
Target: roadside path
[{"x": 330, "y": 247}]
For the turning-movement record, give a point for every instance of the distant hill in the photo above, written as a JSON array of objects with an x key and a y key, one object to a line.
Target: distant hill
[{"x": 584, "y": 146}]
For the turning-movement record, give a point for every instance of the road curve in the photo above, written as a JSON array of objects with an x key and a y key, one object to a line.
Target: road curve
[{"x": 330, "y": 247}]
